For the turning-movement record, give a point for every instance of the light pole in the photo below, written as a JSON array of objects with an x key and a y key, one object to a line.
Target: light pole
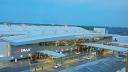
[
  {"x": 127, "y": 61},
  {"x": 30, "y": 65}
]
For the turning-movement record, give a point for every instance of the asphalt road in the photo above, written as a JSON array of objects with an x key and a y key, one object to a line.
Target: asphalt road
[{"x": 16, "y": 68}]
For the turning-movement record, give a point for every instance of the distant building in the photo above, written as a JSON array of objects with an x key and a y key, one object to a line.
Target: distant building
[
  {"x": 100, "y": 30},
  {"x": 24, "y": 39},
  {"x": 121, "y": 39},
  {"x": 117, "y": 30}
]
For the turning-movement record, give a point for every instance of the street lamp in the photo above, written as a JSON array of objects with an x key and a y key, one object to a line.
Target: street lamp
[{"x": 127, "y": 61}]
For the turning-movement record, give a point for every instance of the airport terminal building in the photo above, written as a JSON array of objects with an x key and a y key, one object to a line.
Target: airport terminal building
[
  {"x": 60, "y": 44},
  {"x": 22, "y": 41}
]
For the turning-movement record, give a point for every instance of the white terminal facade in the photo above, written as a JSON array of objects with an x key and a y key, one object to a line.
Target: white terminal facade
[{"x": 19, "y": 41}]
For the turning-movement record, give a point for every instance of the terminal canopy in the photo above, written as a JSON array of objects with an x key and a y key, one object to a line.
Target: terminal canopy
[
  {"x": 120, "y": 49},
  {"x": 29, "y": 39},
  {"x": 52, "y": 53}
]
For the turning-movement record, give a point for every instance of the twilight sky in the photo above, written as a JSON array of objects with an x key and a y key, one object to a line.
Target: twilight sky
[{"x": 78, "y": 12}]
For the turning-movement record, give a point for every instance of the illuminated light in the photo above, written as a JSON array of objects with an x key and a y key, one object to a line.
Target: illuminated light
[
  {"x": 1, "y": 55},
  {"x": 60, "y": 52},
  {"x": 30, "y": 56},
  {"x": 7, "y": 46},
  {"x": 23, "y": 50},
  {"x": 21, "y": 56}
]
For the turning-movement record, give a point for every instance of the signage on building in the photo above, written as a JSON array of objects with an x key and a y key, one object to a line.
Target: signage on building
[{"x": 23, "y": 50}]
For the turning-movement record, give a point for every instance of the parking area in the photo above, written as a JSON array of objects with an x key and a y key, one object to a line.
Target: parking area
[{"x": 72, "y": 58}]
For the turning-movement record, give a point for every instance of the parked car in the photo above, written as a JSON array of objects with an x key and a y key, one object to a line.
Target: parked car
[
  {"x": 77, "y": 52},
  {"x": 57, "y": 65}
]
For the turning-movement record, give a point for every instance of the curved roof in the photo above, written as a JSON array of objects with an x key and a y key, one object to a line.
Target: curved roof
[
  {"x": 34, "y": 34},
  {"x": 28, "y": 39},
  {"x": 18, "y": 29},
  {"x": 52, "y": 53}
]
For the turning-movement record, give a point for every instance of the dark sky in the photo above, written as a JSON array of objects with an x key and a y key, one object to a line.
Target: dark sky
[{"x": 78, "y": 12}]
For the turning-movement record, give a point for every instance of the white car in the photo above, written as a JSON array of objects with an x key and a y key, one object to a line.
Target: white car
[
  {"x": 77, "y": 52},
  {"x": 57, "y": 65},
  {"x": 88, "y": 58}
]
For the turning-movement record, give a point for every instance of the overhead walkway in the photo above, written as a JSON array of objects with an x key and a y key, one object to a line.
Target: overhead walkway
[
  {"x": 115, "y": 48},
  {"x": 52, "y": 53}
]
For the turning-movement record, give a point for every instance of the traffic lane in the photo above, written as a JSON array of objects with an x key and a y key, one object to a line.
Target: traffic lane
[
  {"x": 19, "y": 68},
  {"x": 15, "y": 69},
  {"x": 73, "y": 65}
]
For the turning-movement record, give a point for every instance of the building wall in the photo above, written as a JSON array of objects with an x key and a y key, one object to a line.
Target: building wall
[
  {"x": 4, "y": 49},
  {"x": 100, "y": 30},
  {"x": 24, "y": 50},
  {"x": 118, "y": 30},
  {"x": 35, "y": 29},
  {"x": 122, "y": 39}
]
